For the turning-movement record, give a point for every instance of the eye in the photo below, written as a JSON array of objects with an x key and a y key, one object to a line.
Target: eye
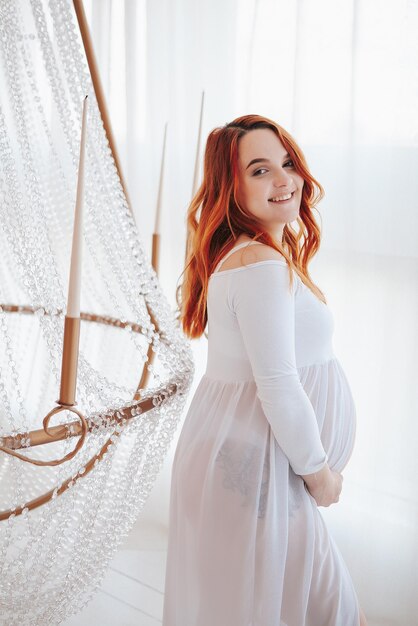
[
  {"x": 287, "y": 162},
  {"x": 256, "y": 173}
]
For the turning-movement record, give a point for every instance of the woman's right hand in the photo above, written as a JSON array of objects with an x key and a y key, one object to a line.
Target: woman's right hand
[{"x": 324, "y": 486}]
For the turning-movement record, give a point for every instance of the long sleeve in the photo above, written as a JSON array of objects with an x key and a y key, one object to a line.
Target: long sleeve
[{"x": 264, "y": 306}]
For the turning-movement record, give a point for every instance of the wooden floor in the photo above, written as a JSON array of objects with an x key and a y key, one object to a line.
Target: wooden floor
[{"x": 132, "y": 592}]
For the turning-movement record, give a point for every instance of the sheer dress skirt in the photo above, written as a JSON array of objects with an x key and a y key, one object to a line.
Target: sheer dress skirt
[{"x": 247, "y": 542}]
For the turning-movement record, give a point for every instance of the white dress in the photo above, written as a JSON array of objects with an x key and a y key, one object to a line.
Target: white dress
[{"x": 247, "y": 543}]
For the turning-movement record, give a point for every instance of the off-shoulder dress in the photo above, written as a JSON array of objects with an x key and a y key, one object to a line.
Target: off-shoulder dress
[{"x": 247, "y": 544}]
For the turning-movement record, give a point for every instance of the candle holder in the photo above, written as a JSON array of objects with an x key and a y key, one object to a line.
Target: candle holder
[
  {"x": 119, "y": 416},
  {"x": 69, "y": 362}
]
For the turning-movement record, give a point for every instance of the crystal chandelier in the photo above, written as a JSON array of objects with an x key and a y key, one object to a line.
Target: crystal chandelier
[{"x": 91, "y": 467}]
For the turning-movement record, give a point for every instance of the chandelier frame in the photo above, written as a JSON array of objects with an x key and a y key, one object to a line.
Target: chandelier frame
[{"x": 117, "y": 417}]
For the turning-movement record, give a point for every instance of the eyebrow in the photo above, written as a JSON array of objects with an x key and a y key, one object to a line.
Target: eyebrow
[{"x": 264, "y": 160}]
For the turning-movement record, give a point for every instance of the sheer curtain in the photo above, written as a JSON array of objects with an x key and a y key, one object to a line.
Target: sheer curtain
[{"x": 342, "y": 77}]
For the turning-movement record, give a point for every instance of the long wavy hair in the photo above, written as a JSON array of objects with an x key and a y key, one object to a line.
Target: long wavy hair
[{"x": 215, "y": 220}]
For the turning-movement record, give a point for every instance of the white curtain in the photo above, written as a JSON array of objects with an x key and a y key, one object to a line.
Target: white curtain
[{"x": 342, "y": 77}]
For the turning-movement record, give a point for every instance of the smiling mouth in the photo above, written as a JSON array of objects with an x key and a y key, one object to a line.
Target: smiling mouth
[{"x": 282, "y": 201}]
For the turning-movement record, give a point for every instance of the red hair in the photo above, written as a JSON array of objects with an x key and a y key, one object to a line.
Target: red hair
[{"x": 215, "y": 219}]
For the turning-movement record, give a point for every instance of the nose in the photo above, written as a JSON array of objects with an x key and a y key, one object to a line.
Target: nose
[{"x": 282, "y": 179}]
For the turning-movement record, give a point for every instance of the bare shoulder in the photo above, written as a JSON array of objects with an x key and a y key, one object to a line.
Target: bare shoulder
[
  {"x": 262, "y": 252},
  {"x": 251, "y": 254}
]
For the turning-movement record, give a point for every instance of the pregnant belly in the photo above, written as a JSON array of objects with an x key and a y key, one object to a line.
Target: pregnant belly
[
  {"x": 329, "y": 392},
  {"x": 338, "y": 433}
]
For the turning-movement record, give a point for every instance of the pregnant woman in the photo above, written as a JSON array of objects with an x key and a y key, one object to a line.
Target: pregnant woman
[{"x": 272, "y": 423}]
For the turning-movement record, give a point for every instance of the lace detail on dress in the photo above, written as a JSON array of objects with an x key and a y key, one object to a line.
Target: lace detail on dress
[{"x": 240, "y": 464}]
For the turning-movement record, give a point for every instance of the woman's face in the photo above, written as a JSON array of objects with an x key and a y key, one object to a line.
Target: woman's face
[{"x": 263, "y": 184}]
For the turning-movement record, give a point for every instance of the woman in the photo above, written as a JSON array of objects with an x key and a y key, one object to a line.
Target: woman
[{"x": 272, "y": 422}]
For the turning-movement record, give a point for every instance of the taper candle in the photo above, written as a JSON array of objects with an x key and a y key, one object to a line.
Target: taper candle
[
  {"x": 161, "y": 186},
  {"x": 199, "y": 140},
  {"x": 74, "y": 285},
  {"x": 69, "y": 364}
]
